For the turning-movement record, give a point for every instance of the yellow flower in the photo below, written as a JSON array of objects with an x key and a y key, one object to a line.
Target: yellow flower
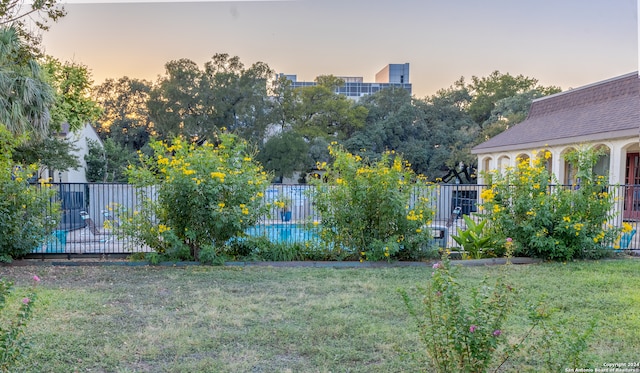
[
  {"x": 487, "y": 195},
  {"x": 626, "y": 227},
  {"x": 218, "y": 175},
  {"x": 45, "y": 182},
  {"x": 221, "y": 204}
]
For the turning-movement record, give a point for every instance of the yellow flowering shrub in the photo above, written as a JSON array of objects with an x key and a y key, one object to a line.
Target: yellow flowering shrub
[
  {"x": 548, "y": 220},
  {"x": 28, "y": 213},
  {"x": 372, "y": 210},
  {"x": 196, "y": 197}
]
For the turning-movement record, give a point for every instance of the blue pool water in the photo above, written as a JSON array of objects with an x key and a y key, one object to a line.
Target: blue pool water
[{"x": 283, "y": 233}]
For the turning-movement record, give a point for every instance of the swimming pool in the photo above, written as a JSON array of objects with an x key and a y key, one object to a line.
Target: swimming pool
[{"x": 289, "y": 233}]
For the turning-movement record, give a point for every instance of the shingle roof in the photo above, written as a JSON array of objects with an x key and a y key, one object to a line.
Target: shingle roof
[{"x": 598, "y": 111}]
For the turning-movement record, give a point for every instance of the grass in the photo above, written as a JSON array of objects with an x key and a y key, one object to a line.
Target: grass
[{"x": 264, "y": 319}]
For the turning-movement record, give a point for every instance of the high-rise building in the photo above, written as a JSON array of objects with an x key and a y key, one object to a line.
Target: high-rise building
[{"x": 392, "y": 75}]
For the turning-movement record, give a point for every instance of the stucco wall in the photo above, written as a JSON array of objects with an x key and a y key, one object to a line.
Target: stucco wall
[{"x": 618, "y": 149}]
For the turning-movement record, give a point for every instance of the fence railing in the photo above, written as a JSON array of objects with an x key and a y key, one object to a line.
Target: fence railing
[{"x": 87, "y": 215}]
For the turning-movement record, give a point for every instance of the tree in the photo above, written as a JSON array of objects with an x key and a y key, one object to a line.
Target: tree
[
  {"x": 180, "y": 104},
  {"x": 283, "y": 109},
  {"x": 51, "y": 153},
  {"x": 13, "y": 14},
  {"x": 323, "y": 113},
  {"x": 487, "y": 91},
  {"x": 72, "y": 86},
  {"x": 125, "y": 116},
  {"x": 284, "y": 153},
  {"x": 510, "y": 111},
  {"x": 239, "y": 95},
  {"x": 25, "y": 95},
  {"x": 108, "y": 163},
  {"x": 429, "y": 133},
  {"x": 198, "y": 103}
]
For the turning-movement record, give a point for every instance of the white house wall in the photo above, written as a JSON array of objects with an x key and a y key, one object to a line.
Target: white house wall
[
  {"x": 617, "y": 158},
  {"x": 80, "y": 140}
]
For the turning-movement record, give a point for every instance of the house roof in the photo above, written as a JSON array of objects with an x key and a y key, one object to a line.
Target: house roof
[{"x": 604, "y": 110}]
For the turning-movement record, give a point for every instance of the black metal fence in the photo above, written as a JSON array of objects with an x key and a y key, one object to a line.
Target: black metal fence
[{"x": 88, "y": 222}]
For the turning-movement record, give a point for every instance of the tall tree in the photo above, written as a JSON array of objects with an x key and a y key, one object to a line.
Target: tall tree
[
  {"x": 20, "y": 15},
  {"x": 284, "y": 99},
  {"x": 510, "y": 111},
  {"x": 73, "y": 104},
  {"x": 487, "y": 91},
  {"x": 25, "y": 95},
  {"x": 427, "y": 132},
  {"x": 284, "y": 153},
  {"x": 108, "y": 162},
  {"x": 323, "y": 113},
  {"x": 239, "y": 95},
  {"x": 196, "y": 103},
  {"x": 181, "y": 103},
  {"x": 125, "y": 118}
]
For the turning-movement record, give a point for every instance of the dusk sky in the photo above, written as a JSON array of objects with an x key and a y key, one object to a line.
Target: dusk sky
[{"x": 566, "y": 43}]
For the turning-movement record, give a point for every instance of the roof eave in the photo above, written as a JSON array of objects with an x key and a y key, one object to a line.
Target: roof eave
[{"x": 563, "y": 141}]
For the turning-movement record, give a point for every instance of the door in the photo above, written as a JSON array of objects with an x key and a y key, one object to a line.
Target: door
[{"x": 632, "y": 190}]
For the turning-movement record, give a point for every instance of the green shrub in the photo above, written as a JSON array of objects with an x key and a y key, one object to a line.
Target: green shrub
[
  {"x": 371, "y": 211},
  {"x": 546, "y": 220},
  {"x": 195, "y": 196},
  {"x": 460, "y": 335},
  {"x": 13, "y": 344},
  {"x": 28, "y": 214},
  {"x": 462, "y": 327},
  {"x": 283, "y": 252},
  {"x": 475, "y": 239}
]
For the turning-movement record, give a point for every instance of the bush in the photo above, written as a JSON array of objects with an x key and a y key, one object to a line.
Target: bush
[
  {"x": 458, "y": 336},
  {"x": 28, "y": 214},
  {"x": 372, "y": 211},
  {"x": 549, "y": 221},
  {"x": 193, "y": 197},
  {"x": 462, "y": 328},
  {"x": 13, "y": 344}
]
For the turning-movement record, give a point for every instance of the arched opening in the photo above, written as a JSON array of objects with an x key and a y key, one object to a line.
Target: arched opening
[
  {"x": 569, "y": 171},
  {"x": 503, "y": 163},
  {"x": 546, "y": 158},
  {"x": 601, "y": 168}
]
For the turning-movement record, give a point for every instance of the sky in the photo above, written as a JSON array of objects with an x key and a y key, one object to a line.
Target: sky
[{"x": 564, "y": 43}]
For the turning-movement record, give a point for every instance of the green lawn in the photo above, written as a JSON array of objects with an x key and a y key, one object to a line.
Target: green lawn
[{"x": 264, "y": 319}]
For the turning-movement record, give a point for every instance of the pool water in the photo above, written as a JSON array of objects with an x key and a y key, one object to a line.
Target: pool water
[{"x": 289, "y": 233}]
